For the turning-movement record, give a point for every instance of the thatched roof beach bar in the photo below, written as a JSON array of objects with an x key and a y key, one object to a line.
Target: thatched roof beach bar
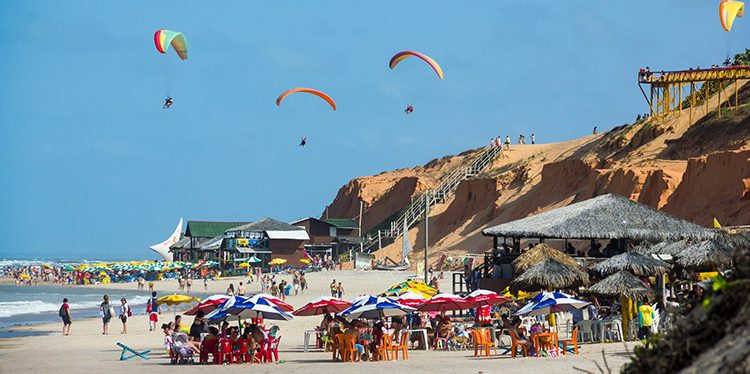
[{"x": 603, "y": 217}]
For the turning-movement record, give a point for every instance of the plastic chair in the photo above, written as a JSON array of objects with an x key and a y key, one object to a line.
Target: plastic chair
[
  {"x": 586, "y": 328},
  {"x": 488, "y": 340},
  {"x": 573, "y": 342},
  {"x": 514, "y": 346},
  {"x": 272, "y": 350},
  {"x": 225, "y": 351},
  {"x": 480, "y": 343},
  {"x": 440, "y": 341},
  {"x": 348, "y": 348},
  {"x": 386, "y": 345},
  {"x": 336, "y": 345},
  {"x": 402, "y": 346},
  {"x": 243, "y": 353},
  {"x": 209, "y": 347}
]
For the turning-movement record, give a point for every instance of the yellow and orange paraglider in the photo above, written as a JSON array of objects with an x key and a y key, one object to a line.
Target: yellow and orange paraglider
[
  {"x": 398, "y": 57},
  {"x": 164, "y": 38},
  {"x": 306, "y": 90},
  {"x": 728, "y": 11}
]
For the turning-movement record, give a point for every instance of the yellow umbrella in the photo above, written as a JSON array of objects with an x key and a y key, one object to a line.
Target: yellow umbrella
[
  {"x": 277, "y": 261},
  {"x": 243, "y": 265},
  {"x": 305, "y": 261},
  {"x": 25, "y": 276},
  {"x": 84, "y": 266},
  {"x": 176, "y": 299},
  {"x": 46, "y": 266}
]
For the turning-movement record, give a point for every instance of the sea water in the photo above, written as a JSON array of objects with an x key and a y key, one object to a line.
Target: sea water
[{"x": 41, "y": 304}]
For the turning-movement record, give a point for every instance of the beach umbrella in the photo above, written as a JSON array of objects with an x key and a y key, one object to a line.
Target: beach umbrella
[
  {"x": 371, "y": 307},
  {"x": 550, "y": 302},
  {"x": 176, "y": 299},
  {"x": 253, "y": 260},
  {"x": 322, "y": 305},
  {"x": 305, "y": 261},
  {"x": 706, "y": 254},
  {"x": 68, "y": 268},
  {"x": 539, "y": 253},
  {"x": 622, "y": 283},
  {"x": 243, "y": 265},
  {"x": 411, "y": 286},
  {"x": 411, "y": 299},
  {"x": 444, "y": 302},
  {"x": 274, "y": 300},
  {"x": 257, "y": 308},
  {"x": 550, "y": 274},
  {"x": 484, "y": 297},
  {"x": 632, "y": 262},
  {"x": 518, "y": 295},
  {"x": 208, "y": 304},
  {"x": 277, "y": 261}
]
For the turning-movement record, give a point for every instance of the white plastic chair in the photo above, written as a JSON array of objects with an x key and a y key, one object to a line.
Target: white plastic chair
[{"x": 585, "y": 328}]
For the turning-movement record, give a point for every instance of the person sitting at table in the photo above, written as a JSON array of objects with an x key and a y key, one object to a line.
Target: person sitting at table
[
  {"x": 515, "y": 329},
  {"x": 444, "y": 329},
  {"x": 377, "y": 334},
  {"x": 397, "y": 324}
]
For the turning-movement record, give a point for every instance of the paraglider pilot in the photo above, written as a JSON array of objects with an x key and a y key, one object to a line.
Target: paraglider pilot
[
  {"x": 409, "y": 109},
  {"x": 303, "y": 142},
  {"x": 168, "y": 103}
]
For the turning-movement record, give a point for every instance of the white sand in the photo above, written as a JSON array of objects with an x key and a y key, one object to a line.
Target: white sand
[{"x": 86, "y": 349}]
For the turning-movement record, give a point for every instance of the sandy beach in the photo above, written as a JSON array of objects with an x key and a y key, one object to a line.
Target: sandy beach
[{"x": 87, "y": 349}]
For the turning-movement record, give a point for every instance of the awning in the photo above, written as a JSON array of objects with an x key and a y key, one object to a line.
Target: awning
[
  {"x": 291, "y": 234},
  {"x": 251, "y": 250}
]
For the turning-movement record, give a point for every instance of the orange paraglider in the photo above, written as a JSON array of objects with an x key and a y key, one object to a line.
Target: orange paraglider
[{"x": 315, "y": 92}]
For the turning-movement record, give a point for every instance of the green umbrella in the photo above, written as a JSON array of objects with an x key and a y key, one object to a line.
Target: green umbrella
[{"x": 68, "y": 268}]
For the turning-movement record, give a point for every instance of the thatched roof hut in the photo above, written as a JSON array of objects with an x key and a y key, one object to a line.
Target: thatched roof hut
[
  {"x": 706, "y": 254},
  {"x": 622, "y": 283},
  {"x": 539, "y": 253},
  {"x": 550, "y": 274},
  {"x": 635, "y": 263},
  {"x": 604, "y": 217},
  {"x": 662, "y": 248}
]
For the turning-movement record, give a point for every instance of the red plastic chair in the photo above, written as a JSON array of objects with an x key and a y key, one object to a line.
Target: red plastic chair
[
  {"x": 242, "y": 355},
  {"x": 273, "y": 350},
  {"x": 209, "y": 347},
  {"x": 225, "y": 351}
]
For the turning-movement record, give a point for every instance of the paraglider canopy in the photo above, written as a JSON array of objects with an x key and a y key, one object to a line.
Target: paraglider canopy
[
  {"x": 398, "y": 57},
  {"x": 728, "y": 11},
  {"x": 306, "y": 90},
  {"x": 164, "y": 38}
]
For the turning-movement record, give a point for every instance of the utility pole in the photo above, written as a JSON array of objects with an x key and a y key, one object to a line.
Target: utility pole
[
  {"x": 361, "y": 242},
  {"x": 426, "y": 231}
]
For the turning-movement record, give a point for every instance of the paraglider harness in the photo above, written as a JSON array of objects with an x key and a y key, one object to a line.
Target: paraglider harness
[
  {"x": 409, "y": 109},
  {"x": 167, "y": 103}
]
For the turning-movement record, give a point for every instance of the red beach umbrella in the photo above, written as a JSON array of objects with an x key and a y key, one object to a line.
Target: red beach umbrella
[
  {"x": 207, "y": 305},
  {"x": 322, "y": 305},
  {"x": 484, "y": 297},
  {"x": 411, "y": 299},
  {"x": 444, "y": 302}
]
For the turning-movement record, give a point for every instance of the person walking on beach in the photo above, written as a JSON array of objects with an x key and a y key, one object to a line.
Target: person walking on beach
[
  {"x": 302, "y": 282},
  {"x": 241, "y": 290},
  {"x": 125, "y": 312},
  {"x": 189, "y": 284},
  {"x": 533, "y": 138},
  {"x": 230, "y": 290},
  {"x": 295, "y": 285},
  {"x": 646, "y": 317},
  {"x": 205, "y": 283},
  {"x": 150, "y": 286},
  {"x": 65, "y": 315},
  {"x": 106, "y": 312},
  {"x": 152, "y": 308},
  {"x": 334, "y": 289},
  {"x": 340, "y": 290},
  {"x": 507, "y": 142}
]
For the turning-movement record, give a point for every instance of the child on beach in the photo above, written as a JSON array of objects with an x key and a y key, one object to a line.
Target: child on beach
[{"x": 65, "y": 314}]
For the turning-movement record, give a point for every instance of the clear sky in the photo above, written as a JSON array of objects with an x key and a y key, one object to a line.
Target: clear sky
[{"x": 92, "y": 167}]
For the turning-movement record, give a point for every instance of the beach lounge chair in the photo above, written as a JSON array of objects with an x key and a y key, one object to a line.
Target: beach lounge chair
[
  {"x": 134, "y": 353},
  {"x": 402, "y": 346},
  {"x": 572, "y": 344}
]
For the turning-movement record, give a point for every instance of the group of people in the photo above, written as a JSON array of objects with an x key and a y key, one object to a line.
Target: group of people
[
  {"x": 337, "y": 290},
  {"x": 498, "y": 142}
]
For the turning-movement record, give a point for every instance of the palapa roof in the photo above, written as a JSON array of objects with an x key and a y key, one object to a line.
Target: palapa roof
[
  {"x": 708, "y": 253},
  {"x": 662, "y": 248},
  {"x": 603, "y": 217},
  {"x": 539, "y": 253},
  {"x": 622, "y": 283},
  {"x": 633, "y": 262},
  {"x": 550, "y": 274}
]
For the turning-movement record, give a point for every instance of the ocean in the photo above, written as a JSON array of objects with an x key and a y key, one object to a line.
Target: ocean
[{"x": 40, "y": 304}]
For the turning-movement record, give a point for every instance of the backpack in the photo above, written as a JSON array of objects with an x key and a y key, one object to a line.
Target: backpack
[
  {"x": 130, "y": 311},
  {"x": 149, "y": 309},
  {"x": 62, "y": 313}
]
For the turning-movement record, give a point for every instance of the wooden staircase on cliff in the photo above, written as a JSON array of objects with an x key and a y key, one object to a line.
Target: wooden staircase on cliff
[{"x": 414, "y": 212}]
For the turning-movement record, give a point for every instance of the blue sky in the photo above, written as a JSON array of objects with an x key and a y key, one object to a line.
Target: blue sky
[{"x": 91, "y": 166}]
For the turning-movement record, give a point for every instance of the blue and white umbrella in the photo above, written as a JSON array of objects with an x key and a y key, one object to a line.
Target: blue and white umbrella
[
  {"x": 372, "y": 307},
  {"x": 220, "y": 313},
  {"x": 258, "y": 308},
  {"x": 550, "y": 302}
]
